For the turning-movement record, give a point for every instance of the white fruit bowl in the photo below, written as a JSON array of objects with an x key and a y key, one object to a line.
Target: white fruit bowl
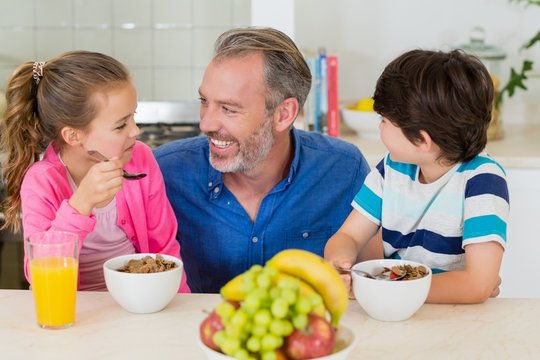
[
  {"x": 345, "y": 342},
  {"x": 365, "y": 123},
  {"x": 142, "y": 293},
  {"x": 389, "y": 300}
]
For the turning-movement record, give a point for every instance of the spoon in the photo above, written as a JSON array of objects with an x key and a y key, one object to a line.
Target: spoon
[
  {"x": 379, "y": 276},
  {"x": 129, "y": 176}
]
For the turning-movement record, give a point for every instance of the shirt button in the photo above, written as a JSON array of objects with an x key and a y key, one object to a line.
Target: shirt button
[
  {"x": 123, "y": 222},
  {"x": 134, "y": 238},
  {"x": 210, "y": 184},
  {"x": 305, "y": 235},
  {"x": 254, "y": 239},
  {"x": 216, "y": 190}
]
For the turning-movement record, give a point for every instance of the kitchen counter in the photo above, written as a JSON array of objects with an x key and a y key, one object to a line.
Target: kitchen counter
[
  {"x": 497, "y": 329},
  {"x": 520, "y": 147}
]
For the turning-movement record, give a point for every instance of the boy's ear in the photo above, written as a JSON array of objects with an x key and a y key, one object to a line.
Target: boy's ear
[
  {"x": 70, "y": 135},
  {"x": 285, "y": 114},
  {"x": 426, "y": 144}
]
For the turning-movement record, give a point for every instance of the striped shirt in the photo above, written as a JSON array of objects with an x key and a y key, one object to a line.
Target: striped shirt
[{"x": 432, "y": 223}]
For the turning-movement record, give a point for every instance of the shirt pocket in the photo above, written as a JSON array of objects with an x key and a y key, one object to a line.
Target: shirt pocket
[{"x": 313, "y": 240}]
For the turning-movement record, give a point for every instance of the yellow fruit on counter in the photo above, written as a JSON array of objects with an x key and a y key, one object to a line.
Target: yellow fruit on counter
[
  {"x": 364, "y": 104},
  {"x": 495, "y": 80},
  {"x": 318, "y": 273}
]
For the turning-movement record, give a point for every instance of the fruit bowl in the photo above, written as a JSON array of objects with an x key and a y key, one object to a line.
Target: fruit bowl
[
  {"x": 389, "y": 300},
  {"x": 142, "y": 293},
  {"x": 365, "y": 123},
  {"x": 345, "y": 342}
]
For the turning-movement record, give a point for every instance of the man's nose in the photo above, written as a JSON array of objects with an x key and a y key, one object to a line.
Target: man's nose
[{"x": 209, "y": 119}]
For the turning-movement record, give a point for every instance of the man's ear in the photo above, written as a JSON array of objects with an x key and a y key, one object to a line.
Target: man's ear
[
  {"x": 70, "y": 135},
  {"x": 285, "y": 114}
]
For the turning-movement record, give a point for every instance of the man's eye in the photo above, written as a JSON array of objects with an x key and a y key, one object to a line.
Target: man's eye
[
  {"x": 228, "y": 110},
  {"x": 203, "y": 101}
]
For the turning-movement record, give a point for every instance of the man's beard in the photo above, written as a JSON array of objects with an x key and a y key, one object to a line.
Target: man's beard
[{"x": 251, "y": 152}]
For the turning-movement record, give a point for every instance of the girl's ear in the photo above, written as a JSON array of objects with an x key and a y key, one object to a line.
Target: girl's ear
[
  {"x": 70, "y": 135},
  {"x": 285, "y": 114}
]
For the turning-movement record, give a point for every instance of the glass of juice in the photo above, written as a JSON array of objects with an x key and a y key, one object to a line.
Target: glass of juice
[{"x": 53, "y": 266}]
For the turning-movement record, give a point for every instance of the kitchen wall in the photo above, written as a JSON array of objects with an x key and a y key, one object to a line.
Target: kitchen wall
[
  {"x": 165, "y": 43},
  {"x": 367, "y": 34}
]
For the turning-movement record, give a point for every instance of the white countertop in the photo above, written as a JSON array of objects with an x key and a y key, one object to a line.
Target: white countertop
[
  {"x": 497, "y": 329},
  {"x": 520, "y": 147}
]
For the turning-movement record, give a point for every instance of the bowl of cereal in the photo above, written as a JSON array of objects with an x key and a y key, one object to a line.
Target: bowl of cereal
[
  {"x": 386, "y": 299},
  {"x": 143, "y": 283}
]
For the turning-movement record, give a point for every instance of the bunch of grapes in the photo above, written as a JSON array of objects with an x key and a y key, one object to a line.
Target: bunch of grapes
[{"x": 273, "y": 307}]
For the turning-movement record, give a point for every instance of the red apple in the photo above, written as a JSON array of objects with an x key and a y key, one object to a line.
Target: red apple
[
  {"x": 316, "y": 340},
  {"x": 210, "y": 325}
]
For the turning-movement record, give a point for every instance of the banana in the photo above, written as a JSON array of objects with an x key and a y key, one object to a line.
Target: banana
[
  {"x": 318, "y": 273},
  {"x": 233, "y": 290}
]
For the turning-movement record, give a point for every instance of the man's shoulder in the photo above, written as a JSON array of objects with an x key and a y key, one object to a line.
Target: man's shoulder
[{"x": 329, "y": 145}]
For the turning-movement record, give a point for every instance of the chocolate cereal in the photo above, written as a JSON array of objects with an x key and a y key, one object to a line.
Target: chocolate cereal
[{"x": 147, "y": 265}]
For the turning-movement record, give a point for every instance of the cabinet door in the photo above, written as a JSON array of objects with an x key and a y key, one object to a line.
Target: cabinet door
[{"x": 521, "y": 259}]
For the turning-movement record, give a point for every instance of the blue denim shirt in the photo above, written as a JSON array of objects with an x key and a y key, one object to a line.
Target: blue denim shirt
[{"x": 218, "y": 239}]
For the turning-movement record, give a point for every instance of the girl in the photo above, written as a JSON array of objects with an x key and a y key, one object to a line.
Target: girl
[{"x": 77, "y": 102}]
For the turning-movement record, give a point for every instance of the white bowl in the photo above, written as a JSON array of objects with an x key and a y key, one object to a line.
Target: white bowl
[
  {"x": 345, "y": 342},
  {"x": 365, "y": 123},
  {"x": 389, "y": 300},
  {"x": 142, "y": 293}
]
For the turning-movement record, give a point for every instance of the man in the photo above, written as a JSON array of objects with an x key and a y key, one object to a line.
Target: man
[{"x": 254, "y": 185}]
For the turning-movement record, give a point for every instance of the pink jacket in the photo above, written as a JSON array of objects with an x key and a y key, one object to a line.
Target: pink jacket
[{"x": 143, "y": 210}]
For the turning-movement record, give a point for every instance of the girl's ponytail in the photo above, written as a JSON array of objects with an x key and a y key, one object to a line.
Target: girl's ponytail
[{"x": 21, "y": 139}]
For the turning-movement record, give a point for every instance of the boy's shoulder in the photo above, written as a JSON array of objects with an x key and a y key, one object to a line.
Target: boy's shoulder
[{"x": 482, "y": 163}]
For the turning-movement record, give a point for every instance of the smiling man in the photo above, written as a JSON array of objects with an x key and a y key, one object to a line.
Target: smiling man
[{"x": 254, "y": 185}]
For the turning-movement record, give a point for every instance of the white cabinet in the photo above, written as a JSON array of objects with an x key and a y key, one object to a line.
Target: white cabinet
[{"x": 521, "y": 260}]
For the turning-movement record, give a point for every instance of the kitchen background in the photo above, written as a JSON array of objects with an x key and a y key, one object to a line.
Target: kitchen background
[{"x": 167, "y": 44}]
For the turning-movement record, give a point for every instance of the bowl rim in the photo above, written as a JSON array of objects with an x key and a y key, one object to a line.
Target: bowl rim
[
  {"x": 394, "y": 261},
  {"x": 107, "y": 264}
]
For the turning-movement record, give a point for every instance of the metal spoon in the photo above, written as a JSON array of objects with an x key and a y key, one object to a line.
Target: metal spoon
[
  {"x": 379, "y": 276},
  {"x": 127, "y": 175}
]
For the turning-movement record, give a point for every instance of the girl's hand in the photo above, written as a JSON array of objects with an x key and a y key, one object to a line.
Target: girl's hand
[{"x": 98, "y": 187}]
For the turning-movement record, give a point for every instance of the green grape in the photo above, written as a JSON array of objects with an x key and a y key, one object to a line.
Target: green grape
[
  {"x": 256, "y": 269},
  {"x": 271, "y": 342},
  {"x": 289, "y": 295},
  {"x": 269, "y": 355},
  {"x": 274, "y": 292},
  {"x": 300, "y": 321},
  {"x": 218, "y": 337},
  {"x": 288, "y": 283},
  {"x": 252, "y": 302},
  {"x": 239, "y": 319},
  {"x": 230, "y": 345},
  {"x": 225, "y": 310},
  {"x": 279, "y": 308},
  {"x": 303, "y": 306},
  {"x": 233, "y": 331},
  {"x": 315, "y": 299},
  {"x": 264, "y": 281},
  {"x": 248, "y": 285},
  {"x": 241, "y": 354},
  {"x": 271, "y": 271},
  {"x": 280, "y": 327},
  {"x": 258, "y": 330},
  {"x": 253, "y": 344},
  {"x": 262, "y": 317}
]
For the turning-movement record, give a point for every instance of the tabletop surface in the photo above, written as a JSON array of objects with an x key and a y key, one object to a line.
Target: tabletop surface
[{"x": 497, "y": 329}]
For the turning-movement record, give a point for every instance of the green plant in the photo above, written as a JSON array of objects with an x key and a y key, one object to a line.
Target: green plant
[{"x": 517, "y": 79}]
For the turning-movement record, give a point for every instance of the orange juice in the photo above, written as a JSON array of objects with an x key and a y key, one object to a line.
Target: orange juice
[{"x": 54, "y": 284}]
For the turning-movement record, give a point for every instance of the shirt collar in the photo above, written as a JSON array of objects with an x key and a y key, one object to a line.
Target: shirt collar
[{"x": 215, "y": 180}]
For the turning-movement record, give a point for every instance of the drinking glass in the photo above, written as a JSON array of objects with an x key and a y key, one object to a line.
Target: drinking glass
[{"x": 53, "y": 265}]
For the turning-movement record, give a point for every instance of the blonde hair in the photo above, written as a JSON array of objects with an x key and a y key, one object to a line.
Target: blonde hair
[{"x": 38, "y": 107}]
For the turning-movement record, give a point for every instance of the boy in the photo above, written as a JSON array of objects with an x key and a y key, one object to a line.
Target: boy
[{"x": 439, "y": 199}]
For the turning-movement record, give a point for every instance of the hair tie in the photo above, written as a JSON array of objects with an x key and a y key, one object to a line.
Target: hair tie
[{"x": 37, "y": 72}]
